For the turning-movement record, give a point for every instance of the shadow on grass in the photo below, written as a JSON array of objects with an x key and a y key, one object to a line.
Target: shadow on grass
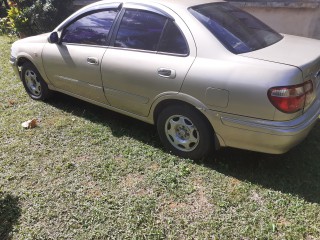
[
  {"x": 119, "y": 124},
  {"x": 296, "y": 172},
  {"x": 9, "y": 214}
]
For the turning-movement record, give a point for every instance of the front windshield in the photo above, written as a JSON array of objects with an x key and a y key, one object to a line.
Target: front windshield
[{"x": 237, "y": 30}]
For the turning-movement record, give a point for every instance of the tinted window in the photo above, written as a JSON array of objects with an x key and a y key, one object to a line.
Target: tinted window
[
  {"x": 140, "y": 29},
  {"x": 91, "y": 29},
  {"x": 173, "y": 41},
  {"x": 239, "y": 31}
]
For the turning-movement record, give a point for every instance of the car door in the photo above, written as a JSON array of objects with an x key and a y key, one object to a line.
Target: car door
[
  {"x": 73, "y": 65},
  {"x": 149, "y": 57}
]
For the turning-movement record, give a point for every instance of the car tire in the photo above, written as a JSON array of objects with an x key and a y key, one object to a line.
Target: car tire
[
  {"x": 34, "y": 84},
  {"x": 185, "y": 132}
]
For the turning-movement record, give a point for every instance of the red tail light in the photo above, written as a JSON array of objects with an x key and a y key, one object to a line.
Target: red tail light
[{"x": 291, "y": 99}]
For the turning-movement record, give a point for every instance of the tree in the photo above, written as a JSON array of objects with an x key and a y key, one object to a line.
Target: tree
[{"x": 29, "y": 17}]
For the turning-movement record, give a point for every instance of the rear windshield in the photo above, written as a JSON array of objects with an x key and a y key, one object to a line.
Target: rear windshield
[{"x": 237, "y": 30}]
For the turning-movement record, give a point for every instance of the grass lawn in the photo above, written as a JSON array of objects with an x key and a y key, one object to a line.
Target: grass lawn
[{"x": 89, "y": 173}]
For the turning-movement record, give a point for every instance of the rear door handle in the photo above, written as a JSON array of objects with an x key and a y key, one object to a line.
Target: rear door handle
[
  {"x": 167, "y": 73},
  {"x": 93, "y": 61}
]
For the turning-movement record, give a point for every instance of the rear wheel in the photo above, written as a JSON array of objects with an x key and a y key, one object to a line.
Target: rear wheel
[
  {"x": 185, "y": 132},
  {"x": 32, "y": 81}
]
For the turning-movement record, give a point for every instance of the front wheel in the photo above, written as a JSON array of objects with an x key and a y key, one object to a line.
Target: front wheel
[
  {"x": 32, "y": 81},
  {"x": 185, "y": 132}
]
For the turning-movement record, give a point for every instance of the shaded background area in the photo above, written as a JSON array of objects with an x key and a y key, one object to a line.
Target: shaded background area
[
  {"x": 10, "y": 213},
  {"x": 294, "y": 17}
]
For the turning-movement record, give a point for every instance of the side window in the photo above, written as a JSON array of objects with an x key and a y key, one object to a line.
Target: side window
[
  {"x": 173, "y": 41},
  {"x": 140, "y": 29},
  {"x": 92, "y": 29}
]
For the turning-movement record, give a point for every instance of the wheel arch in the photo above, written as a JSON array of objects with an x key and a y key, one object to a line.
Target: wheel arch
[
  {"x": 167, "y": 99},
  {"x": 24, "y": 58}
]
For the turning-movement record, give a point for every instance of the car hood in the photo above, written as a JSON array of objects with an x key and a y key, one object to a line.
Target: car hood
[
  {"x": 300, "y": 52},
  {"x": 42, "y": 38}
]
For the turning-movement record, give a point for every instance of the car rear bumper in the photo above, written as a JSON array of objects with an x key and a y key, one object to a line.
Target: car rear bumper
[{"x": 261, "y": 135}]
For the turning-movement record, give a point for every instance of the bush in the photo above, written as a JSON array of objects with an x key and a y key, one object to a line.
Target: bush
[
  {"x": 4, "y": 5},
  {"x": 3, "y": 19},
  {"x": 17, "y": 22},
  {"x": 30, "y": 17},
  {"x": 4, "y": 27}
]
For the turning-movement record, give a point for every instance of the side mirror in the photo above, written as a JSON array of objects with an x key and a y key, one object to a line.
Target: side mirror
[{"x": 53, "y": 38}]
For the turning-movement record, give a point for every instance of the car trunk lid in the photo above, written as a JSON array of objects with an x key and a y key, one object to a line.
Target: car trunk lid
[
  {"x": 292, "y": 50},
  {"x": 299, "y": 52}
]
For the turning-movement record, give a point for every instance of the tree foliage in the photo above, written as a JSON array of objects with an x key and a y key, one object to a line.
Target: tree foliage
[{"x": 29, "y": 17}]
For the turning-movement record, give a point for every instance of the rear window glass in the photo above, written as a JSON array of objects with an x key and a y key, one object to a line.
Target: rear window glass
[
  {"x": 237, "y": 30},
  {"x": 173, "y": 41}
]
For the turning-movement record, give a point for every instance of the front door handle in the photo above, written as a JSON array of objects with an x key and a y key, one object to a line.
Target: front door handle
[
  {"x": 167, "y": 73},
  {"x": 93, "y": 61}
]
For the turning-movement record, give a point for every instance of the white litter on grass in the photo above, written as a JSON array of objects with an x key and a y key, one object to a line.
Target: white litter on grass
[{"x": 30, "y": 123}]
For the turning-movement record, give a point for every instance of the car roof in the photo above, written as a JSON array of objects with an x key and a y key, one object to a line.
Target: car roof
[
  {"x": 168, "y": 3},
  {"x": 173, "y": 4}
]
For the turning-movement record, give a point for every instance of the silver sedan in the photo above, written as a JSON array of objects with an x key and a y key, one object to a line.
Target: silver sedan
[{"x": 207, "y": 74}]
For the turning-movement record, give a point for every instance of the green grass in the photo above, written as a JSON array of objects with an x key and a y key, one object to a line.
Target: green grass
[{"x": 89, "y": 173}]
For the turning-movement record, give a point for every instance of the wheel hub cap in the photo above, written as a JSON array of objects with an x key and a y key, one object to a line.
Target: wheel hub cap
[
  {"x": 182, "y": 133},
  {"x": 33, "y": 83}
]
